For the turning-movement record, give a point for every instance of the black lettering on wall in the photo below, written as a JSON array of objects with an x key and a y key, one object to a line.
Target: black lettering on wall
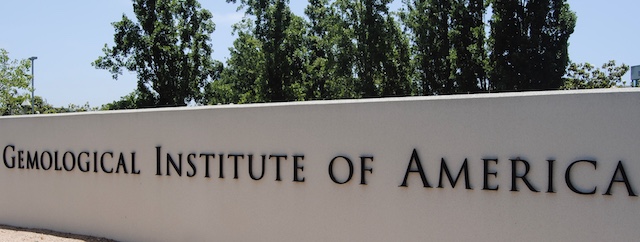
[
  {"x": 221, "y": 161},
  {"x": 333, "y": 177},
  {"x": 296, "y": 166},
  {"x": 42, "y": 155},
  {"x": 20, "y": 159},
  {"x": 32, "y": 161},
  {"x": 486, "y": 185},
  {"x": 13, "y": 158},
  {"x": 523, "y": 177},
  {"x": 567, "y": 177},
  {"x": 235, "y": 163},
  {"x": 158, "y": 149},
  {"x": 56, "y": 165},
  {"x": 364, "y": 168},
  {"x": 73, "y": 161},
  {"x": 176, "y": 166},
  {"x": 278, "y": 157},
  {"x": 416, "y": 159},
  {"x": 254, "y": 177},
  {"x": 95, "y": 162},
  {"x": 206, "y": 163},
  {"x": 444, "y": 169},
  {"x": 550, "y": 183},
  {"x": 86, "y": 168},
  {"x": 133, "y": 164},
  {"x": 623, "y": 178},
  {"x": 193, "y": 171},
  {"x": 102, "y": 162},
  {"x": 122, "y": 163}
]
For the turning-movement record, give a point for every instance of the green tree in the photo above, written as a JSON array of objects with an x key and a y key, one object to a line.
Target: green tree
[
  {"x": 321, "y": 44},
  {"x": 529, "y": 41},
  {"x": 169, "y": 49},
  {"x": 375, "y": 46},
  {"x": 428, "y": 21},
  {"x": 279, "y": 34},
  {"x": 587, "y": 76},
  {"x": 468, "y": 53},
  {"x": 14, "y": 82},
  {"x": 397, "y": 73},
  {"x": 243, "y": 79},
  {"x": 332, "y": 52},
  {"x": 129, "y": 101}
]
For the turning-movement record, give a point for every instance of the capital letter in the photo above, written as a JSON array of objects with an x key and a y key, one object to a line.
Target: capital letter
[
  {"x": 514, "y": 175},
  {"x": 624, "y": 179},
  {"x": 487, "y": 173},
  {"x": 567, "y": 177},
  {"x": 333, "y": 178},
  {"x": 416, "y": 159},
  {"x": 445, "y": 169}
]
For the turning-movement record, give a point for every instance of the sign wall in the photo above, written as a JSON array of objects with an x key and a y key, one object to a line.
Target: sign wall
[{"x": 553, "y": 166}]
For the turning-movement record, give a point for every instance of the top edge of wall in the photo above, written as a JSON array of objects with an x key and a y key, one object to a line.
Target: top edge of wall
[{"x": 349, "y": 101}]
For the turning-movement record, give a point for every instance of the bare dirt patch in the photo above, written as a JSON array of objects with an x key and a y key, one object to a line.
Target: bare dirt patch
[{"x": 10, "y": 233}]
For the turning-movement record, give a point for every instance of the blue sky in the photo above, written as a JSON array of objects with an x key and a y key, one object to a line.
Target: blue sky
[{"x": 68, "y": 35}]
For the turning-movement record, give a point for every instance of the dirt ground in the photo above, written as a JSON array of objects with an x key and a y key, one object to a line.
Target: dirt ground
[{"x": 10, "y": 233}]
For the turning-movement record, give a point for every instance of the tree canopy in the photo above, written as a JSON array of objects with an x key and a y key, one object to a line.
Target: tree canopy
[
  {"x": 348, "y": 49},
  {"x": 14, "y": 82},
  {"x": 354, "y": 49},
  {"x": 587, "y": 76},
  {"x": 169, "y": 49},
  {"x": 529, "y": 44}
]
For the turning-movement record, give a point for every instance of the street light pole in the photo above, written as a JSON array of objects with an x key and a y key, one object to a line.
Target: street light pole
[{"x": 33, "y": 88}]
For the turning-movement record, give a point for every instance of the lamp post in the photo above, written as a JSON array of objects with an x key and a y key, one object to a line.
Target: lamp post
[{"x": 33, "y": 88}]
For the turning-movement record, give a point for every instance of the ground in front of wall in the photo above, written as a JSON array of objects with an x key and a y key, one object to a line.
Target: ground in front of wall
[{"x": 10, "y": 233}]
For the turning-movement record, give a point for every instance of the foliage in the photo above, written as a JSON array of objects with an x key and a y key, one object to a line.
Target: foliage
[
  {"x": 529, "y": 44},
  {"x": 14, "y": 82},
  {"x": 276, "y": 42},
  {"x": 379, "y": 49},
  {"x": 242, "y": 80},
  {"x": 468, "y": 52},
  {"x": 428, "y": 23},
  {"x": 129, "y": 101},
  {"x": 346, "y": 49},
  {"x": 168, "y": 47},
  {"x": 448, "y": 37},
  {"x": 328, "y": 41},
  {"x": 587, "y": 76}
]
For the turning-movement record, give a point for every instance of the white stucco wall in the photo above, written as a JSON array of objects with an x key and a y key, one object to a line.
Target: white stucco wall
[{"x": 602, "y": 126}]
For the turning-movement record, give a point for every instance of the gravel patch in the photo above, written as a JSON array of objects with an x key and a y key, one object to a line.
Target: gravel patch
[{"x": 10, "y": 233}]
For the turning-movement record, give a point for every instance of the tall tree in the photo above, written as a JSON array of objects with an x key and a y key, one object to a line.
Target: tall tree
[
  {"x": 397, "y": 74},
  {"x": 279, "y": 34},
  {"x": 379, "y": 49},
  {"x": 529, "y": 41},
  {"x": 169, "y": 49},
  {"x": 428, "y": 22},
  {"x": 468, "y": 54},
  {"x": 448, "y": 44},
  {"x": 14, "y": 80},
  {"x": 327, "y": 41},
  {"x": 243, "y": 79}
]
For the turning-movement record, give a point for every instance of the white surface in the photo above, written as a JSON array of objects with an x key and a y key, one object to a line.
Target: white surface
[{"x": 565, "y": 126}]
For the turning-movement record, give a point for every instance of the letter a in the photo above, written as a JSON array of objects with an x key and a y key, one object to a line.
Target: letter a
[{"x": 414, "y": 157}]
